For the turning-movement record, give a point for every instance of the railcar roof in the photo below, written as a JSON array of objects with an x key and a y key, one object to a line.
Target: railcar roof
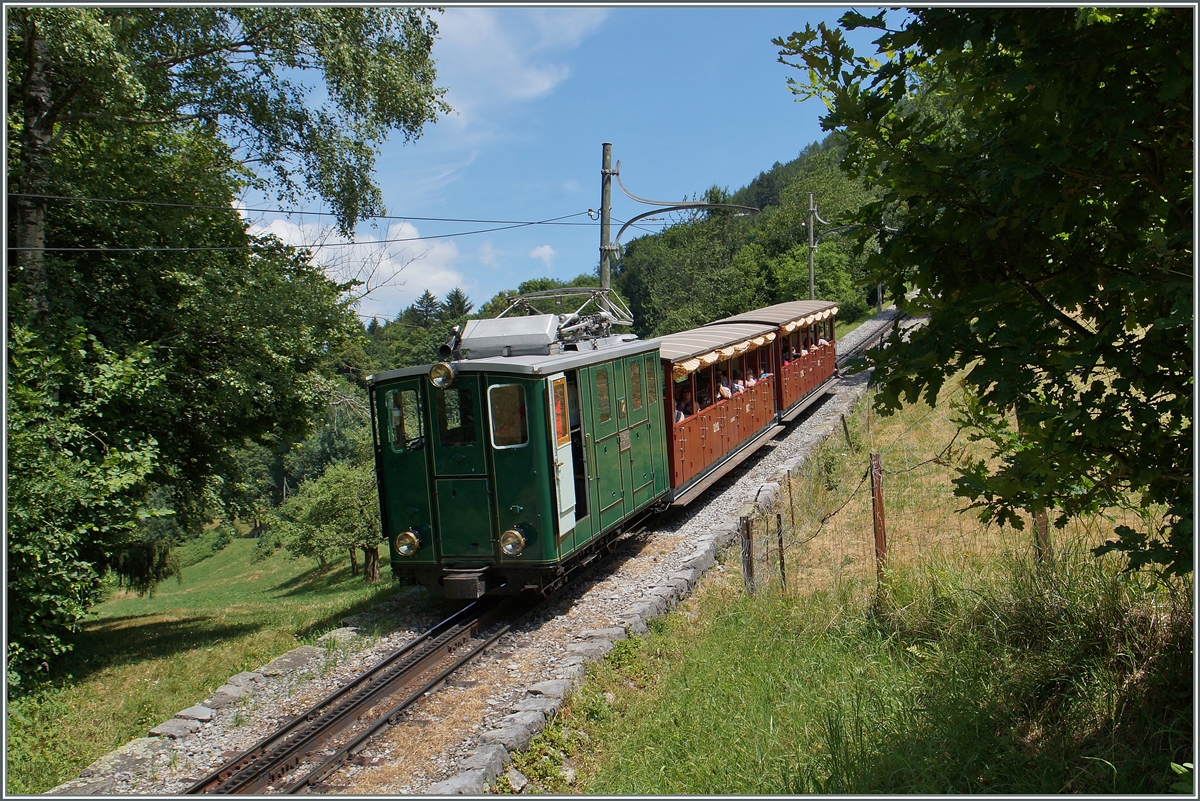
[
  {"x": 530, "y": 365},
  {"x": 778, "y": 314},
  {"x": 699, "y": 341}
]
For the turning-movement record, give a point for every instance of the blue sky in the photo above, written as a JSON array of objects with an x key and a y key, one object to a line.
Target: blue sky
[{"x": 689, "y": 97}]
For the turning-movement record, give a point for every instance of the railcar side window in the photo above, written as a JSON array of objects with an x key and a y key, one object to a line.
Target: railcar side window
[
  {"x": 635, "y": 384},
  {"x": 456, "y": 417},
  {"x": 652, "y": 381},
  {"x": 562, "y": 420},
  {"x": 408, "y": 430},
  {"x": 510, "y": 426},
  {"x": 603, "y": 400}
]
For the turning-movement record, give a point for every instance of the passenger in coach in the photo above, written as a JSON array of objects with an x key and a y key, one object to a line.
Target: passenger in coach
[
  {"x": 723, "y": 384},
  {"x": 683, "y": 403}
]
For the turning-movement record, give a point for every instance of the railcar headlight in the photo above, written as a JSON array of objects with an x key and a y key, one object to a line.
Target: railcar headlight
[
  {"x": 441, "y": 375},
  {"x": 512, "y": 543},
  {"x": 407, "y": 543}
]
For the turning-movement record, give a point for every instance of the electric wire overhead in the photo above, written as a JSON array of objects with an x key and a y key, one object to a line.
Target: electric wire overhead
[{"x": 503, "y": 225}]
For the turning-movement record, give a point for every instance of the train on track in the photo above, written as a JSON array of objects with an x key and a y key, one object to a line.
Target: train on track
[{"x": 543, "y": 435}]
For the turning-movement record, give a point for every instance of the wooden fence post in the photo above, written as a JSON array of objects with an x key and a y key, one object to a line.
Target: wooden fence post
[
  {"x": 747, "y": 554},
  {"x": 877, "y": 516},
  {"x": 846, "y": 431},
  {"x": 1041, "y": 528},
  {"x": 779, "y": 532},
  {"x": 791, "y": 500}
]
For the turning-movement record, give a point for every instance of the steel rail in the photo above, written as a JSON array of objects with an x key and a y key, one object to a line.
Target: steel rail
[
  {"x": 277, "y": 754},
  {"x": 871, "y": 341},
  {"x": 524, "y": 605}
]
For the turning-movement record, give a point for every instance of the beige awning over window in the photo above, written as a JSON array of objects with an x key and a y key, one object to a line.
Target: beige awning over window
[
  {"x": 688, "y": 351},
  {"x": 787, "y": 317}
]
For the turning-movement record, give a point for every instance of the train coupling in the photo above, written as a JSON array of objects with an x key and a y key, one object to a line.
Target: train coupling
[{"x": 464, "y": 584}]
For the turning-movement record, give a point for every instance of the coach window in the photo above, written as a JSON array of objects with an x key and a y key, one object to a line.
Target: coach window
[
  {"x": 408, "y": 430},
  {"x": 652, "y": 381},
  {"x": 704, "y": 388},
  {"x": 506, "y": 406},
  {"x": 685, "y": 402},
  {"x": 754, "y": 368},
  {"x": 455, "y": 415},
  {"x": 635, "y": 384},
  {"x": 603, "y": 399}
]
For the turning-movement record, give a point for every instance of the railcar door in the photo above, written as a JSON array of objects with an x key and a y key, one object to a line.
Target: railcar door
[
  {"x": 564, "y": 461},
  {"x": 606, "y": 414},
  {"x": 638, "y": 449},
  {"x": 402, "y": 467},
  {"x": 461, "y": 483}
]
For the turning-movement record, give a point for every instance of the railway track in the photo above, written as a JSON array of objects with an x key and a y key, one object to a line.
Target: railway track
[
  {"x": 319, "y": 741},
  {"x": 871, "y": 341}
]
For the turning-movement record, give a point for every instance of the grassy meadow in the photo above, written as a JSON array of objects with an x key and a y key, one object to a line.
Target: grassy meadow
[
  {"x": 969, "y": 666},
  {"x": 141, "y": 660}
]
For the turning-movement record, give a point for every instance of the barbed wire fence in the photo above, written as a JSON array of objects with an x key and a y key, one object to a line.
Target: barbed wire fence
[{"x": 832, "y": 524}]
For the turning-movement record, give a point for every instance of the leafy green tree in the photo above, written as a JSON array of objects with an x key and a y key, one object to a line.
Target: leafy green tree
[
  {"x": 343, "y": 436},
  {"x": 193, "y": 319},
  {"x": 232, "y": 70},
  {"x": 1037, "y": 167},
  {"x": 333, "y": 513},
  {"x": 689, "y": 275},
  {"x": 74, "y": 498}
]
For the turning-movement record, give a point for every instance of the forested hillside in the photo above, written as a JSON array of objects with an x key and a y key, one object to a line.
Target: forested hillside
[{"x": 714, "y": 264}]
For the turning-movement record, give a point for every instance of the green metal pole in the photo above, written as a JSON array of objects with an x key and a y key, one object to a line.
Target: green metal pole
[
  {"x": 605, "y": 214},
  {"x": 812, "y": 248}
]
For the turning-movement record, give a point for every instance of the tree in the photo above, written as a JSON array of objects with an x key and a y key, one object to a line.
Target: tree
[
  {"x": 230, "y": 70},
  {"x": 337, "y": 511},
  {"x": 170, "y": 114},
  {"x": 456, "y": 306},
  {"x": 160, "y": 361},
  {"x": 73, "y": 499},
  {"x": 689, "y": 275},
  {"x": 1037, "y": 168},
  {"x": 424, "y": 311}
]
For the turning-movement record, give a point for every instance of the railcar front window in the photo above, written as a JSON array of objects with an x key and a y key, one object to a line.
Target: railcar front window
[
  {"x": 510, "y": 426},
  {"x": 456, "y": 416},
  {"x": 408, "y": 430}
]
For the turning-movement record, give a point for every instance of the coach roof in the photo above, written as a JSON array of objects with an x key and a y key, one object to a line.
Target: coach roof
[{"x": 781, "y": 314}]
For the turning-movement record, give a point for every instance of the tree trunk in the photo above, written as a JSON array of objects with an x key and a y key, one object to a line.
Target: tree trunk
[
  {"x": 353, "y": 561},
  {"x": 35, "y": 178},
  {"x": 371, "y": 563},
  {"x": 322, "y": 565}
]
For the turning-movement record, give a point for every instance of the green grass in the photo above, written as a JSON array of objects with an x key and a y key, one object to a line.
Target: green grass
[
  {"x": 974, "y": 668},
  {"x": 141, "y": 660},
  {"x": 1048, "y": 681}
]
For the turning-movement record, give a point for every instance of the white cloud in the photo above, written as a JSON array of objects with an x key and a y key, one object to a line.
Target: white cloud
[
  {"x": 488, "y": 255},
  {"x": 566, "y": 28},
  {"x": 498, "y": 56},
  {"x": 392, "y": 268},
  {"x": 545, "y": 253}
]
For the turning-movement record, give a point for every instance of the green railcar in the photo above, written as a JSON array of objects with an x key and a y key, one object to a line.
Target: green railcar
[{"x": 500, "y": 469}]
